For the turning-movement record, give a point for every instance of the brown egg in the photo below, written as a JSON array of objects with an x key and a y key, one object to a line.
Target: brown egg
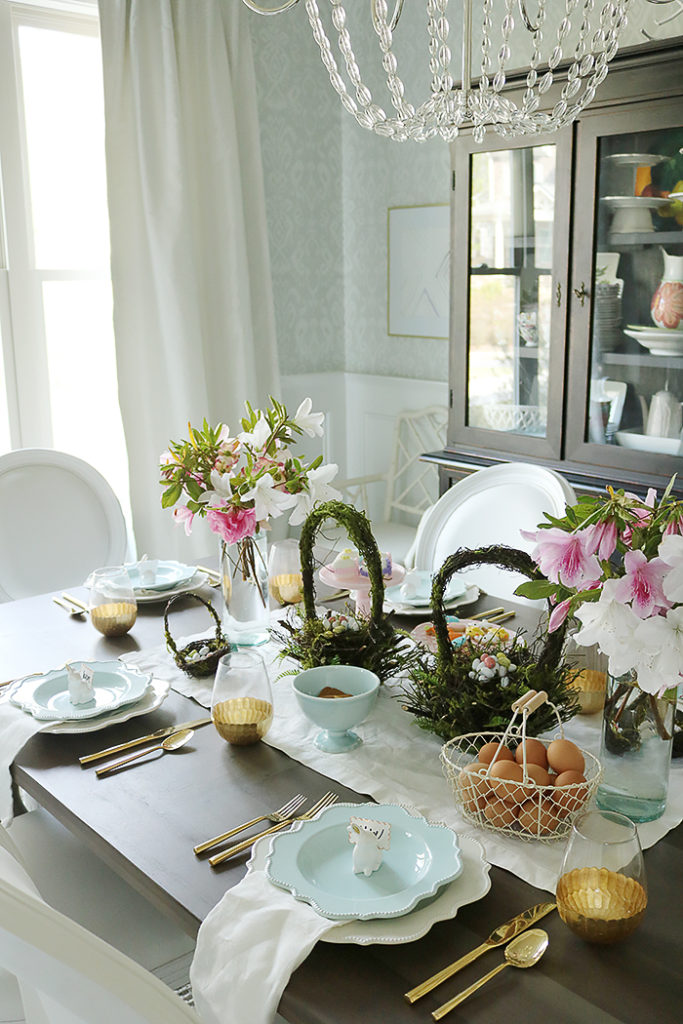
[
  {"x": 538, "y": 821},
  {"x": 565, "y": 756},
  {"x": 573, "y": 798},
  {"x": 538, "y": 775},
  {"x": 535, "y": 753},
  {"x": 499, "y": 813},
  {"x": 472, "y": 787},
  {"x": 490, "y": 750},
  {"x": 505, "y": 777}
]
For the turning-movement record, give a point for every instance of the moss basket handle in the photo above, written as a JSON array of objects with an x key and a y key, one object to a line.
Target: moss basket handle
[
  {"x": 504, "y": 558},
  {"x": 170, "y": 642},
  {"x": 357, "y": 525}
]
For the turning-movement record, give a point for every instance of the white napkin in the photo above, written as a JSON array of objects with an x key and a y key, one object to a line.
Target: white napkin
[
  {"x": 247, "y": 949},
  {"x": 16, "y": 727}
]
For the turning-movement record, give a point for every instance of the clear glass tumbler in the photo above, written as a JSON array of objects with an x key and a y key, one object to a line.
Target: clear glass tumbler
[
  {"x": 242, "y": 701},
  {"x": 602, "y": 891},
  {"x": 284, "y": 572},
  {"x": 113, "y": 608}
]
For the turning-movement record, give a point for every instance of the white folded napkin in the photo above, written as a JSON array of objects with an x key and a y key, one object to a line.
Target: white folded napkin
[
  {"x": 247, "y": 949},
  {"x": 16, "y": 727},
  {"x": 159, "y": 661}
]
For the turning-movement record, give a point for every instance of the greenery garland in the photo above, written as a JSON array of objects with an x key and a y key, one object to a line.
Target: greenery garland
[
  {"x": 442, "y": 693},
  {"x": 372, "y": 643}
]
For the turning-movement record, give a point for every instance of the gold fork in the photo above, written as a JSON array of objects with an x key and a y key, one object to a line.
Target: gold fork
[
  {"x": 325, "y": 801},
  {"x": 282, "y": 813}
]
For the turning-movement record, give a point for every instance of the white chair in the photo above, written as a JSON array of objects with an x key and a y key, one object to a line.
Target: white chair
[
  {"x": 411, "y": 486},
  {"x": 65, "y": 974},
  {"x": 489, "y": 507},
  {"x": 60, "y": 519},
  {"x": 78, "y": 884}
]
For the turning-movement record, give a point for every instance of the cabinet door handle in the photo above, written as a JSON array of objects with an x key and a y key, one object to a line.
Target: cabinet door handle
[
  {"x": 558, "y": 294},
  {"x": 581, "y": 293}
]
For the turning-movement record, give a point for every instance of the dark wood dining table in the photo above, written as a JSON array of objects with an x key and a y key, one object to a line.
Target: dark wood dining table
[{"x": 144, "y": 824}]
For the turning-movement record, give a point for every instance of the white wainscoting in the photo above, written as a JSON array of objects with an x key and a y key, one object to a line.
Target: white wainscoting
[{"x": 361, "y": 411}]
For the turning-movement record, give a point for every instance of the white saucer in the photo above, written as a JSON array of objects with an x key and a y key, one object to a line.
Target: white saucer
[{"x": 471, "y": 595}]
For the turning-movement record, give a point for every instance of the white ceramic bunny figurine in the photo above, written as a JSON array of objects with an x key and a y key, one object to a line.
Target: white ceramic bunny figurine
[{"x": 369, "y": 839}]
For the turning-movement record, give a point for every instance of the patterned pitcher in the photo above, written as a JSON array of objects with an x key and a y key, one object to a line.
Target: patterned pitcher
[{"x": 667, "y": 301}]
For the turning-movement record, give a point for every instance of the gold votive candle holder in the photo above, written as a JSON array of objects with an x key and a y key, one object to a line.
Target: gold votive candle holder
[
  {"x": 242, "y": 720},
  {"x": 590, "y": 685},
  {"x": 115, "y": 618},
  {"x": 600, "y": 905}
]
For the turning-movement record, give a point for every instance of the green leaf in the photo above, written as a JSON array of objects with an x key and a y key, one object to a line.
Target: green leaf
[
  {"x": 171, "y": 495},
  {"x": 536, "y": 589}
]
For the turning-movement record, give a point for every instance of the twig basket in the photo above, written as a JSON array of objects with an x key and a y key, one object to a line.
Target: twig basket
[
  {"x": 218, "y": 645},
  {"x": 523, "y": 810}
]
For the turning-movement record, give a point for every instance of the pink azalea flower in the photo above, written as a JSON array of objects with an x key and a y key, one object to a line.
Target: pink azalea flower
[
  {"x": 558, "y": 615},
  {"x": 233, "y": 524},
  {"x": 602, "y": 538},
  {"x": 182, "y": 514},
  {"x": 565, "y": 557},
  {"x": 642, "y": 584},
  {"x": 642, "y": 515}
]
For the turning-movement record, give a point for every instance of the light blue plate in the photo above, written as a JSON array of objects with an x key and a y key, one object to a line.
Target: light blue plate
[
  {"x": 168, "y": 574},
  {"x": 421, "y": 588},
  {"x": 314, "y": 862},
  {"x": 46, "y": 696}
]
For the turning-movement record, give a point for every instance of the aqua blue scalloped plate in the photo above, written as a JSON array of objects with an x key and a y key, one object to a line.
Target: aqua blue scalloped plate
[{"x": 314, "y": 862}]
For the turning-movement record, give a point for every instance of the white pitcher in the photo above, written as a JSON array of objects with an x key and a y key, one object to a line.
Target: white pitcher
[{"x": 667, "y": 302}]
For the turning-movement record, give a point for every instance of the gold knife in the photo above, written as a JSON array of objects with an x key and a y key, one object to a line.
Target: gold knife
[
  {"x": 76, "y": 601},
  {"x": 159, "y": 734},
  {"x": 498, "y": 937}
]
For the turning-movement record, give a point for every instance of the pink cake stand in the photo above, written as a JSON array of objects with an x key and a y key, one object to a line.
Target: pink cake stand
[{"x": 357, "y": 585}]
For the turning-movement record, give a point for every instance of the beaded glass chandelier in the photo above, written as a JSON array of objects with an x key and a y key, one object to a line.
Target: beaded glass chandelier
[{"x": 579, "y": 36}]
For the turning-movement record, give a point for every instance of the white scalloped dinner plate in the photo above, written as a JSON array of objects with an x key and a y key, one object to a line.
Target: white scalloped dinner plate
[
  {"x": 471, "y": 885},
  {"x": 471, "y": 595},
  {"x": 46, "y": 696},
  {"x": 153, "y": 697}
]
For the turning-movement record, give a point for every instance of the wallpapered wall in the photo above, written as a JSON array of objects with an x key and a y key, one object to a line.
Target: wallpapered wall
[{"x": 329, "y": 184}]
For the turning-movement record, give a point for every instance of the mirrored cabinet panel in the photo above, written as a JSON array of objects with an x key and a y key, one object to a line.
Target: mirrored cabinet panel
[{"x": 511, "y": 253}]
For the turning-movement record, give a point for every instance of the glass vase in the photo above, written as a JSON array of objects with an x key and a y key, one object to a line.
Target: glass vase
[
  {"x": 244, "y": 583},
  {"x": 637, "y": 735}
]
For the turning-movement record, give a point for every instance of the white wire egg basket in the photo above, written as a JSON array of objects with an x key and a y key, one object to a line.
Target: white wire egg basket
[{"x": 524, "y": 810}]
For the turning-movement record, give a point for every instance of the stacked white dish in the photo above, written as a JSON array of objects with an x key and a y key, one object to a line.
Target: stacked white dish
[
  {"x": 660, "y": 341},
  {"x": 120, "y": 692},
  {"x": 157, "y": 580},
  {"x": 607, "y": 334}
]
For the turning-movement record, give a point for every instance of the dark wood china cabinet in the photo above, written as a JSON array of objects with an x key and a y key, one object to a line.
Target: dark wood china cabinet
[{"x": 566, "y": 341}]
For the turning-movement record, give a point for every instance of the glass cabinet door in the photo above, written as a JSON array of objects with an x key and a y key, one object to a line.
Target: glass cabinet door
[
  {"x": 632, "y": 401},
  {"x": 507, "y": 338}
]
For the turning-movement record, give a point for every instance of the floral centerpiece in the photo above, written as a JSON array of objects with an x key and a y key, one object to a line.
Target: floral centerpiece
[
  {"x": 238, "y": 484},
  {"x": 615, "y": 564}
]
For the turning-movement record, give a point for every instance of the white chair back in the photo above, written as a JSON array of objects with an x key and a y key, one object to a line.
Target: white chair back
[
  {"x": 489, "y": 507},
  {"x": 59, "y": 519},
  {"x": 66, "y": 974}
]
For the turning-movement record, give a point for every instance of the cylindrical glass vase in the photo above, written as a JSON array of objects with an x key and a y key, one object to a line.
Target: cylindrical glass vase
[
  {"x": 244, "y": 582},
  {"x": 637, "y": 734}
]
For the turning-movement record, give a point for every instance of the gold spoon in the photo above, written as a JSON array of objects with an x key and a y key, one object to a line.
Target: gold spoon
[
  {"x": 172, "y": 742},
  {"x": 524, "y": 951}
]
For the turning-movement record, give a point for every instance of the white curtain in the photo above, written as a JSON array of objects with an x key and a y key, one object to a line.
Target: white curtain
[{"x": 193, "y": 312}]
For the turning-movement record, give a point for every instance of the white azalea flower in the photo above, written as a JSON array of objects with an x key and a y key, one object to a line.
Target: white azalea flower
[
  {"x": 611, "y": 625},
  {"x": 221, "y": 492},
  {"x": 318, "y": 490},
  {"x": 671, "y": 552},
  {"x": 268, "y": 501},
  {"x": 310, "y": 422},
  {"x": 660, "y": 655},
  {"x": 257, "y": 437}
]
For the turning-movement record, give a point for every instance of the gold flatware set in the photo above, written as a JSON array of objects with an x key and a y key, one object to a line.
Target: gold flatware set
[
  {"x": 149, "y": 738},
  {"x": 282, "y": 814},
  {"x": 517, "y": 954}
]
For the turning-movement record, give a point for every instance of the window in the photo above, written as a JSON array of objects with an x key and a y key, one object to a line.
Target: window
[{"x": 58, "y": 386}]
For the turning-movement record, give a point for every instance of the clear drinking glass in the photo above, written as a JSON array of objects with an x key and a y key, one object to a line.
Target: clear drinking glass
[
  {"x": 242, "y": 701},
  {"x": 284, "y": 572},
  {"x": 113, "y": 608},
  {"x": 601, "y": 891}
]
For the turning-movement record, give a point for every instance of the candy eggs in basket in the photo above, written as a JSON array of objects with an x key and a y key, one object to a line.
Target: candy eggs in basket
[{"x": 520, "y": 786}]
